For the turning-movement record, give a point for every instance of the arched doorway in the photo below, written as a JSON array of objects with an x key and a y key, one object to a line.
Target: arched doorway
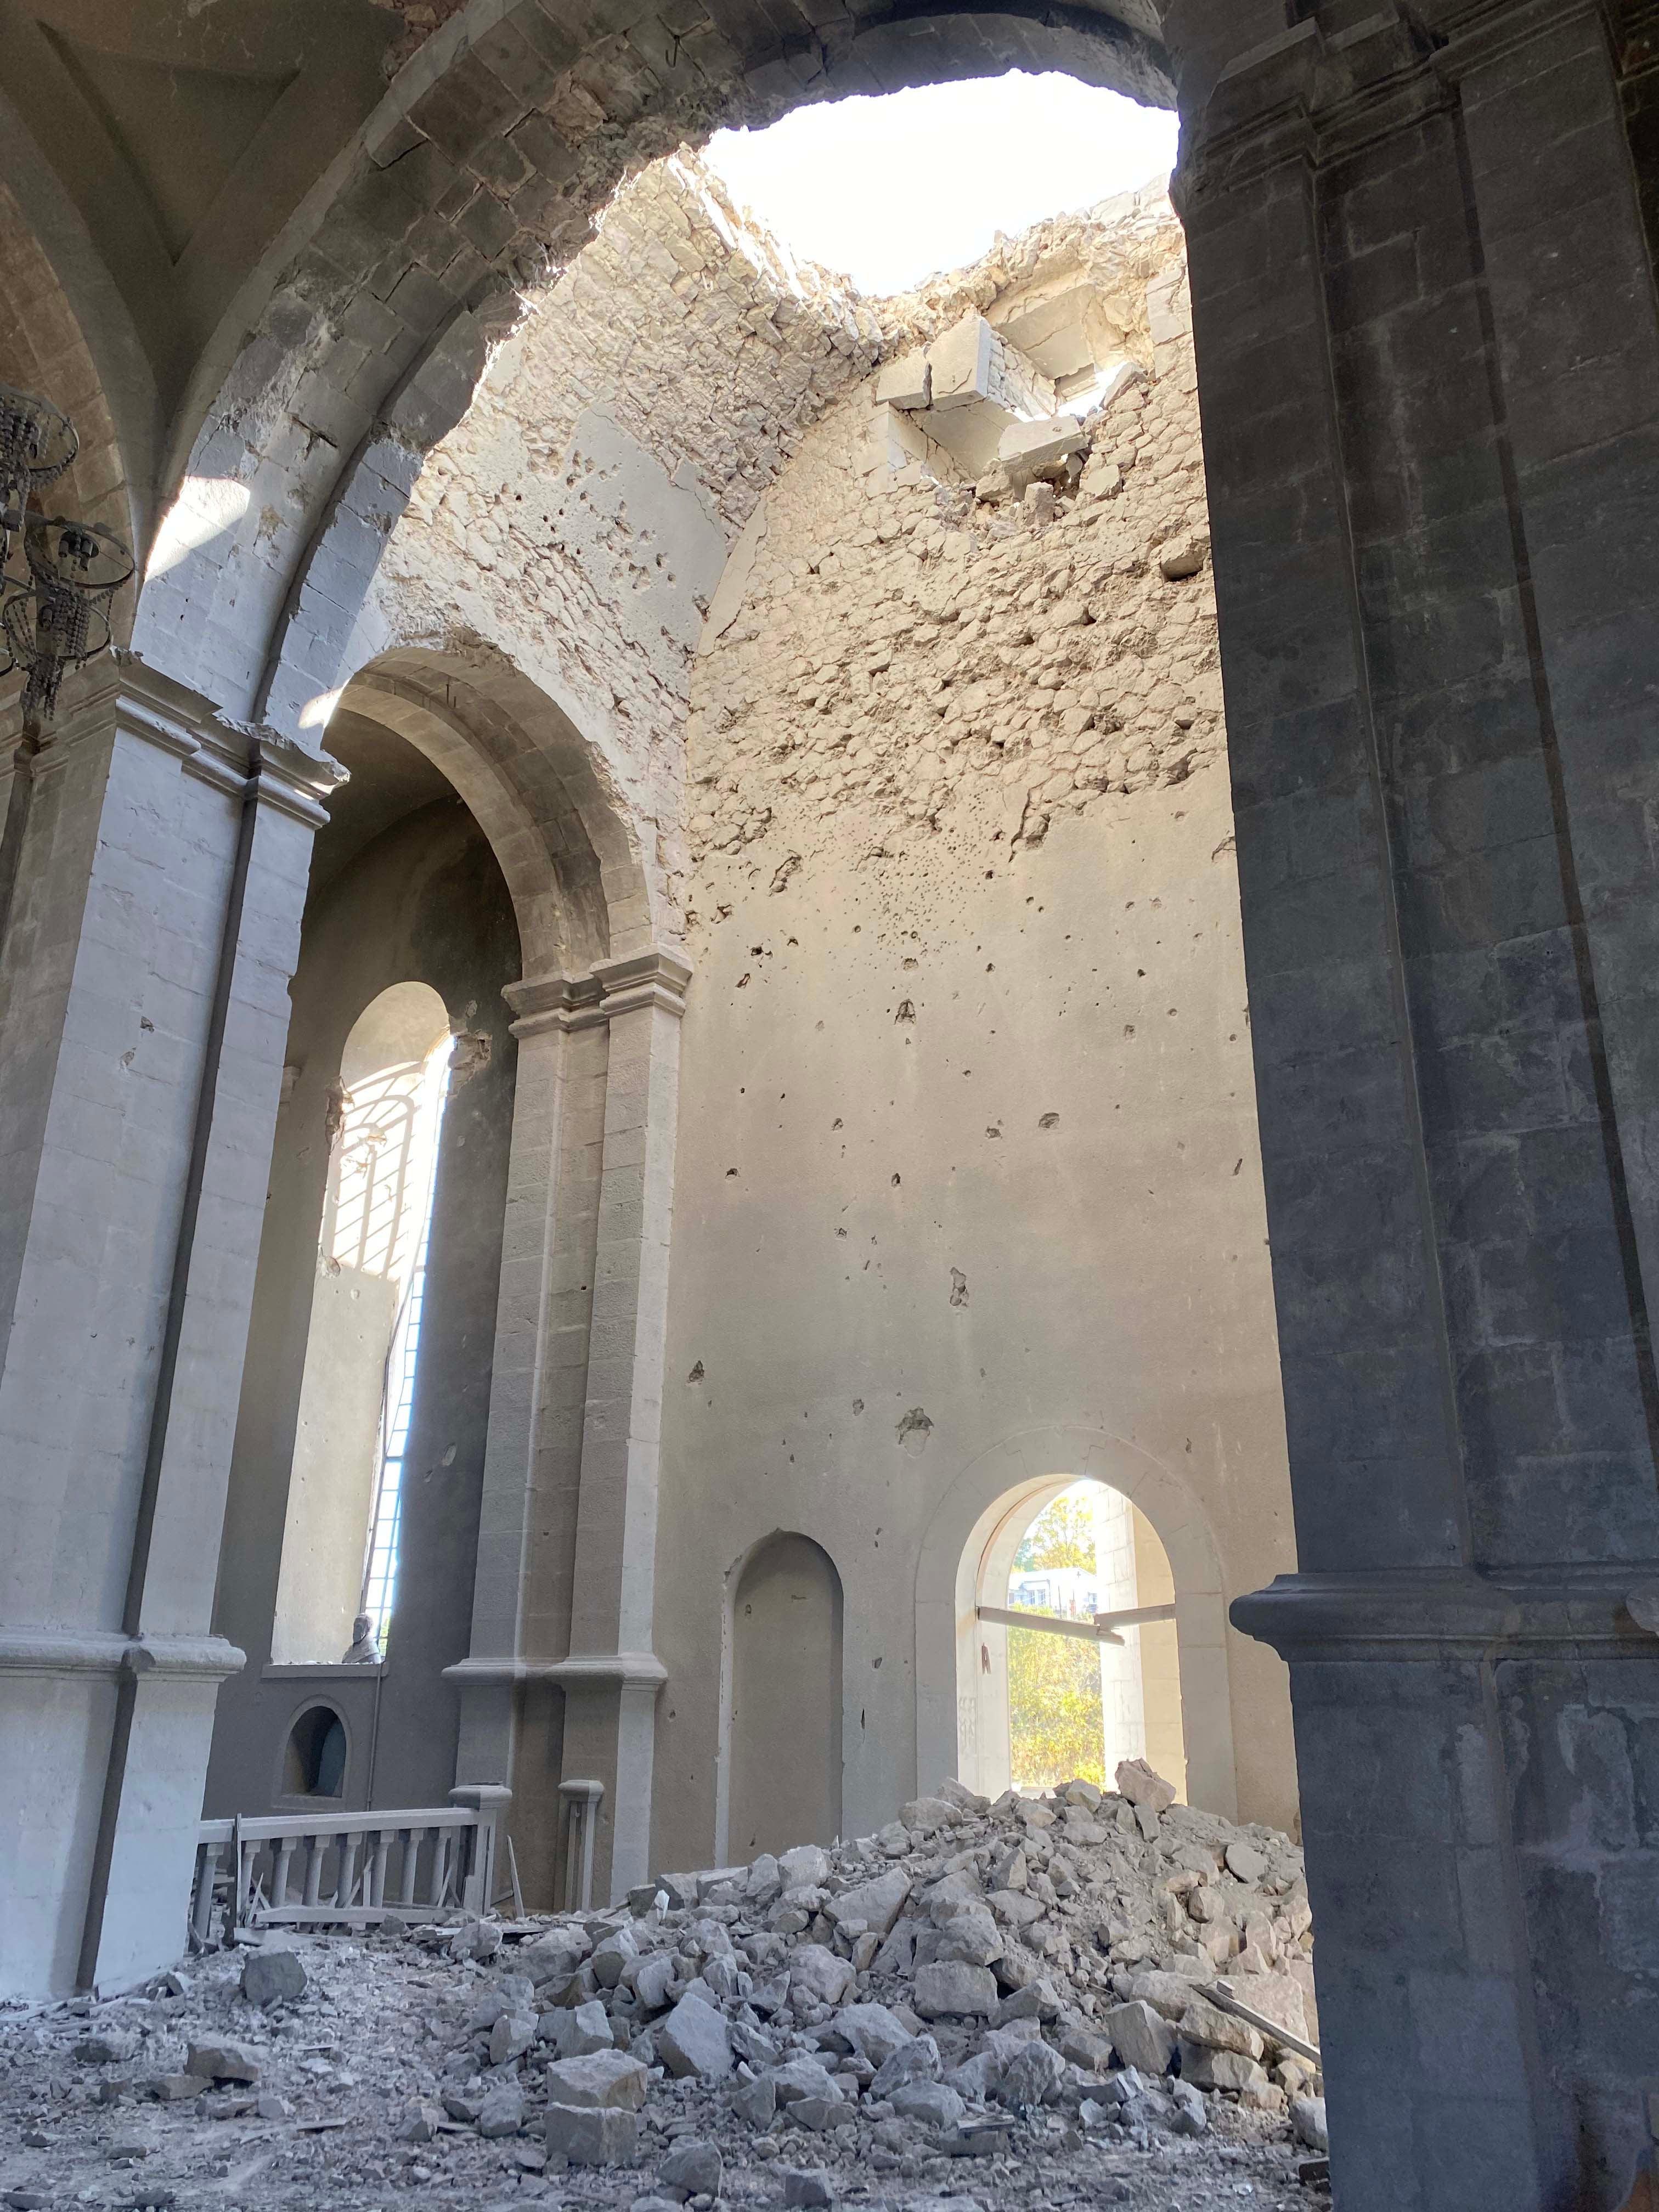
[{"x": 783, "y": 1720}]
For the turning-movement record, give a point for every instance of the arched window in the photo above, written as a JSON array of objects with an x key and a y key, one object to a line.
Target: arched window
[
  {"x": 340, "y": 1544},
  {"x": 1058, "y": 1703}
]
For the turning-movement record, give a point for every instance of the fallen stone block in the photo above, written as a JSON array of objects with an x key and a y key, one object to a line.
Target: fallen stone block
[
  {"x": 605, "y": 2080},
  {"x": 273, "y": 1977},
  {"x": 221, "y": 2062},
  {"x": 585, "y": 2028},
  {"x": 757, "y": 2101},
  {"x": 817, "y": 1976},
  {"x": 1206, "y": 2023},
  {"x": 697, "y": 2168},
  {"x": 948, "y": 1989},
  {"x": 806, "y": 2189},
  {"x": 114, "y": 2048},
  {"x": 175, "y": 2088},
  {"x": 871, "y": 1906},
  {"x": 1220, "y": 2070},
  {"x": 694, "y": 2040},
  {"x": 1138, "y": 1783},
  {"x": 592, "y": 2135},
  {"x": 501, "y": 2112},
  {"x": 1308, "y": 2121},
  {"x": 930, "y": 2102},
  {"x": 1141, "y": 2036}
]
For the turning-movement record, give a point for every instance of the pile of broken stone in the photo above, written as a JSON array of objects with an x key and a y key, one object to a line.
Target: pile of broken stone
[
  {"x": 1020, "y": 1984},
  {"x": 969, "y": 1971}
]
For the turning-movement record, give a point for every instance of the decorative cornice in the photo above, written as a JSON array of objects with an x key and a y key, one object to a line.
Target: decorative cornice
[
  {"x": 1429, "y": 1613},
  {"x": 95, "y": 1651},
  {"x": 656, "y": 978}
]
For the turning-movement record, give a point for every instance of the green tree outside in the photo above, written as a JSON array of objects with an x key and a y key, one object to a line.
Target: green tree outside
[{"x": 1056, "y": 1731}]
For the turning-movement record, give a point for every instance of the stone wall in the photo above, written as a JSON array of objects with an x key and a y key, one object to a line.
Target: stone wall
[{"x": 913, "y": 670}]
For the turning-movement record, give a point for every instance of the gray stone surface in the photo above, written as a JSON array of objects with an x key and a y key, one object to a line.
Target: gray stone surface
[{"x": 693, "y": 2041}]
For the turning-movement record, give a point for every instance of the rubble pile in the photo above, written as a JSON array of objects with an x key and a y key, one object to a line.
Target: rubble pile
[{"x": 1086, "y": 1997}]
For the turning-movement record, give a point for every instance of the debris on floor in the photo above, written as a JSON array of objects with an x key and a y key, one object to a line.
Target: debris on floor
[{"x": 1088, "y": 1998}]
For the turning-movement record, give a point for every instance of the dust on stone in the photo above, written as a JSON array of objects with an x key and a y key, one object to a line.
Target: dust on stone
[{"x": 982, "y": 2005}]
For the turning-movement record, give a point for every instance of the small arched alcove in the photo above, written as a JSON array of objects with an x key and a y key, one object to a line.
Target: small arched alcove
[
  {"x": 339, "y": 1542},
  {"x": 782, "y": 1768},
  {"x": 315, "y": 1755}
]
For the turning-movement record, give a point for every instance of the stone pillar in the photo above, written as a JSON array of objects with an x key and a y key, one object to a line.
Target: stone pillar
[
  {"x": 161, "y": 857},
  {"x": 1429, "y": 372},
  {"x": 565, "y": 1589}
]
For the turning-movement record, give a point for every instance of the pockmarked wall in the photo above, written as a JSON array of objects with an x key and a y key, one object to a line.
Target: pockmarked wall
[
  {"x": 968, "y": 1156},
  {"x": 423, "y": 902}
]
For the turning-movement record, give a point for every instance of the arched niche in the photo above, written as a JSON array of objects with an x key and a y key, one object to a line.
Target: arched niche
[
  {"x": 1015, "y": 1478},
  {"x": 782, "y": 1757},
  {"x": 383, "y": 1150}
]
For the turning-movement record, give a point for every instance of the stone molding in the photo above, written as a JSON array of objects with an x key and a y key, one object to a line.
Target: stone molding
[
  {"x": 625, "y": 1669},
  {"x": 70, "y": 1652},
  {"x": 1431, "y": 1614},
  {"x": 654, "y": 978}
]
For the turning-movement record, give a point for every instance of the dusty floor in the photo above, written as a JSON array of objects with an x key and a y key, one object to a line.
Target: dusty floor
[{"x": 340, "y": 2069}]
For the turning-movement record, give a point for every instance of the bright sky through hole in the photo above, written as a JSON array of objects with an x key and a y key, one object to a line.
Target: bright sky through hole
[{"x": 888, "y": 192}]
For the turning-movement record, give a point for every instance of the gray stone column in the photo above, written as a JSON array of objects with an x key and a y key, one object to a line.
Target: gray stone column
[
  {"x": 565, "y": 1588},
  {"x": 161, "y": 863},
  {"x": 1429, "y": 370}
]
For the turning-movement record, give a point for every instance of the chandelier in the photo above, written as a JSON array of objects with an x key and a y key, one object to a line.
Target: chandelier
[{"x": 57, "y": 577}]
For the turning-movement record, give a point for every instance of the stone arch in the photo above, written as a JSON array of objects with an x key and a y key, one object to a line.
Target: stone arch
[
  {"x": 1024, "y": 1468},
  {"x": 530, "y": 779},
  {"x": 463, "y": 147}
]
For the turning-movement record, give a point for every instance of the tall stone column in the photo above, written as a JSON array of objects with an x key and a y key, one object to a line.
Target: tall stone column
[
  {"x": 1429, "y": 370},
  {"x": 565, "y": 1589},
  {"x": 159, "y": 860}
]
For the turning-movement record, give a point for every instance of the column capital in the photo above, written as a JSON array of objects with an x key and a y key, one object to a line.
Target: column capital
[
  {"x": 121, "y": 688},
  {"x": 1431, "y": 1614}
]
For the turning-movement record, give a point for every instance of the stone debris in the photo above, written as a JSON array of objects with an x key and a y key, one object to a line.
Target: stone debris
[
  {"x": 275, "y": 1976},
  {"x": 1015, "y": 1990}
]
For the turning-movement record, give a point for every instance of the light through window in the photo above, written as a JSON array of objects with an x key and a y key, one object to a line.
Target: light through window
[{"x": 400, "y": 1193}]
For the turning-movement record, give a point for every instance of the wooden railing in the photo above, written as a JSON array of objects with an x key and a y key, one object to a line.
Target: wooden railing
[{"x": 349, "y": 1868}]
